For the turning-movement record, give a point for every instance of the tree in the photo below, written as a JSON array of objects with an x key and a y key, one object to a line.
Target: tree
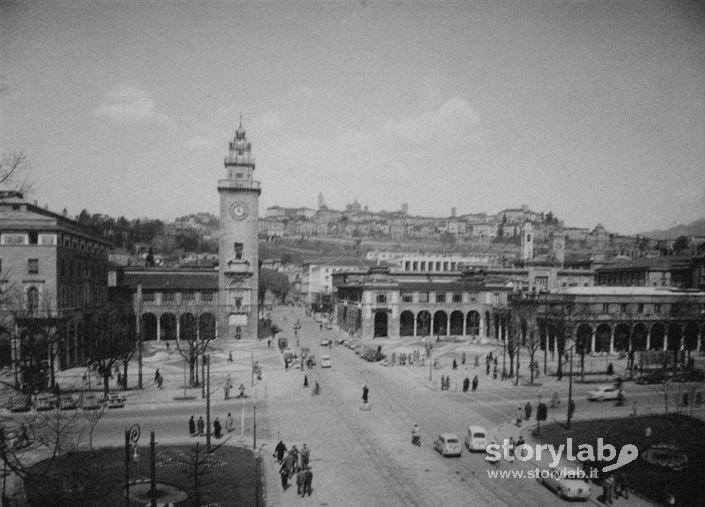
[
  {"x": 13, "y": 167},
  {"x": 192, "y": 344},
  {"x": 681, "y": 245},
  {"x": 114, "y": 334},
  {"x": 274, "y": 281}
]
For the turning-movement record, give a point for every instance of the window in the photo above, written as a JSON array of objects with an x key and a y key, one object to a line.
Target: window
[
  {"x": 416, "y": 266},
  {"x": 238, "y": 303},
  {"x": 32, "y": 237},
  {"x": 657, "y": 308},
  {"x": 238, "y": 251},
  {"x": 148, "y": 297},
  {"x": 423, "y": 297},
  {"x": 423, "y": 265},
  {"x": 640, "y": 308},
  {"x": 381, "y": 298},
  {"x": 406, "y": 297},
  {"x": 674, "y": 308},
  {"x": 453, "y": 266},
  {"x": 445, "y": 265},
  {"x": 623, "y": 308},
  {"x": 606, "y": 308},
  {"x": 440, "y": 298},
  {"x": 33, "y": 266},
  {"x": 457, "y": 298},
  {"x": 207, "y": 297},
  {"x": 168, "y": 297},
  {"x": 32, "y": 300},
  {"x": 187, "y": 296}
]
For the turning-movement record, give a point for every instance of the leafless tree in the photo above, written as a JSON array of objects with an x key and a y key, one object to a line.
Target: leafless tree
[
  {"x": 92, "y": 417},
  {"x": 13, "y": 173},
  {"x": 192, "y": 342}
]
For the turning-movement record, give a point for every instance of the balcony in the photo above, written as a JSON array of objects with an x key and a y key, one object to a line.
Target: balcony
[
  {"x": 236, "y": 158},
  {"x": 239, "y": 185}
]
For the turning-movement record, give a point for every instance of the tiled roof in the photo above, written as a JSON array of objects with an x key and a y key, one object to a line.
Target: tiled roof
[{"x": 626, "y": 291}]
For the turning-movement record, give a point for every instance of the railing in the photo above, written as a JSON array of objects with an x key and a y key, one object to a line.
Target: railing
[
  {"x": 239, "y": 159},
  {"x": 252, "y": 184}
]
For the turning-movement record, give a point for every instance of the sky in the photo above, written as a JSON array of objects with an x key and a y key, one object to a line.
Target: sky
[{"x": 592, "y": 110}]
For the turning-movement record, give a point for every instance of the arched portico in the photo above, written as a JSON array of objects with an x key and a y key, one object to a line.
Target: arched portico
[
  {"x": 381, "y": 323},
  {"x": 423, "y": 323},
  {"x": 456, "y": 323},
  {"x": 406, "y": 323},
  {"x": 440, "y": 323}
]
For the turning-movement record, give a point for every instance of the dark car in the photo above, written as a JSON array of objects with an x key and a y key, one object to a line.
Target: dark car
[
  {"x": 694, "y": 375},
  {"x": 68, "y": 402},
  {"x": 657, "y": 377},
  {"x": 45, "y": 401}
]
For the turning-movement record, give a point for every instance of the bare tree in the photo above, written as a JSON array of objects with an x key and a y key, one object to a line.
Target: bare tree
[
  {"x": 13, "y": 173},
  {"x": 92, "y": 417},
  {"x": 193, "y": 340},
  {"x": 114, "y": 334}
]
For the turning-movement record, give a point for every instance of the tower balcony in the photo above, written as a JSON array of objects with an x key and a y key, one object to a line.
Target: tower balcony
[
  {"x": 237, "y": 268},
  {"x": 232, "y": 159},
  {"x": 250, "y": 185}
]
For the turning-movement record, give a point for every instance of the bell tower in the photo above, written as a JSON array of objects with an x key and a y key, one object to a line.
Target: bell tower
[{"x": 238, "y": 252}]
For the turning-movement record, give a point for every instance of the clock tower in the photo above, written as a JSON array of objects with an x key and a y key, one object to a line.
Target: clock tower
[{"x": 238, "y": 252}]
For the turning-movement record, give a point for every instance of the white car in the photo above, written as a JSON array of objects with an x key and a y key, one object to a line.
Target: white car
[
  {"x": 565, "y": 487},
  {"x": 476, "y": 439},
  {"x": 325, "y": 342},
  {"x": 448, "y": 444},
  {"x": 602, "y": 393},
  {"x": 325, "y": 362}
]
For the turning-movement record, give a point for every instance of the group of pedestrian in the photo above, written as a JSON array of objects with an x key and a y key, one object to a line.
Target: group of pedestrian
[
  {"x": 197, "y": 428},
  {"x": 615, "y": 486},
  {"x": 445, "y": 383},
  {"x": 295, "y": 463}
]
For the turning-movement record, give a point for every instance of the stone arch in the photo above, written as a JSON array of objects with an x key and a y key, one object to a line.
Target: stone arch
[
  {"x": 690, "y": 337},
  {"x": 440, "y": 323},
  {"x": 583, "y": 339},
  {"x": 406, "y": 323},
  {"x": 381, "y": 323},
  {"x": 456, "y": 323},
  {"x": 603, "y": 336},
  {"x": 639, "y": 334},
  {"x": 621, "y": 337},
  {"x": 206, "y": 326},
  {"x": 423, "y": 323},
  {"x": 149, "y": 327},
  {"x": 472, "y": 323},
  {"x": 167, "y": 325},
  {"x": 674, "y": 336},
  {"x": 188, "y": 327},
  {"x": 657, "y": 334}
]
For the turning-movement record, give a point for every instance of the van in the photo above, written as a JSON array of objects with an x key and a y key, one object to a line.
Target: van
[{"x": 476, "y": 438}]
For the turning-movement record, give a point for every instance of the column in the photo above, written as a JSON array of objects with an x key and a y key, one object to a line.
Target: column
[
  {"x": 612, "y": 339},
  {"x": 592, "y": 339},
  {"x": 159, "y": 327},
  {"x": 648, "y": 338},
  {"x": 665, "y": 338},
  {"x": 465, "y": 324}
]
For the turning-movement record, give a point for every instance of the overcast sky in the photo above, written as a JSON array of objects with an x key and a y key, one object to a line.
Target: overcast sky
[{"x": 594, "y": 110}]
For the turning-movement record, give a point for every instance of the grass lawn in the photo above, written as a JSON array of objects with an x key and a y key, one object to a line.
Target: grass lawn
[
  {"x": 648, "y": 480},
  {"x": 98, "y": 477}
]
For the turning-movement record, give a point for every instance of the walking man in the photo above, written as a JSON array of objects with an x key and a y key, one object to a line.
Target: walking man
[
  {"x": 527, "y": 410},
  {"x": 308, "y": 479},
  {"x": 229, "y": 423},
  {"x": 466, "y": 384},
  {"x": 300, "y": 479},
  {"x": 305, "y": 454},
  {"x": 217, "y": 428},
  {"x": 475, "y": 382},
  {"x": 201, "y": 426},
  {"x": 365, "y": 393},
  {"x": 279, "y": 451}
]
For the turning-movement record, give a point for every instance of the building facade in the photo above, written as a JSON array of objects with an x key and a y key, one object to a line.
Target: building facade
[{"x": 53, "y": 274}]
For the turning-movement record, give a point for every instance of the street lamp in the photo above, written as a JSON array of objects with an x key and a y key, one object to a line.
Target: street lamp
[{"x": 570, "y": 386}]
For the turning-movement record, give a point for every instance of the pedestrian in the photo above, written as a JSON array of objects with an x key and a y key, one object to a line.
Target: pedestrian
[
  {"x": 475, "y": 382},
  {"x": 305, "y": 454},
  {"x": 443, "y": 383},
  {"x": 217, "y": 428},
  {"x": 279, "y": 451},
  {"x": 284, "y": 474},
  {"x": 229, "y": 423},
  {"x": 520, "y": 414},
  {"x": 269, "y": 343},
  {"x": 305, "y": 380},
  {"x": 289, "y": 462},
  {"x": 119, "y": 379},
  {"x": 300, "y": 478},
  {"x": 494, "y": 373},
  {"x": 192, "y": 426},
  {"x": 488, "y": 367},
  {"x": 160, "y": 380},
  {"x": 156, "y": 376},
  {"x": 571, "y": 408},
  {"x": 201, "y": 426},
  {"x": 623, "y": 482},
  {"x": 308, "y": 479},
  {"x": 455, "y": 364},
  {"x": 607, "y": 485},
  {"x": 527, "y": 410},
  {"x": 466, "y": 384},
  {"x": 365, "y": 393}
]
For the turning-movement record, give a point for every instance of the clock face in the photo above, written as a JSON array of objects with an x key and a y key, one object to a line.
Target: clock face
[{"x": 238, "y": 210}]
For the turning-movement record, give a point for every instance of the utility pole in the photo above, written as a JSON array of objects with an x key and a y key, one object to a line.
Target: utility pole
[
  {"x": 152, "y": 472},
  {"x": 570, "y": 388},
  {"x": 207, "y": 383},
  {"x": 139, "y": 337},
  {"x": 254, "y": 426}
]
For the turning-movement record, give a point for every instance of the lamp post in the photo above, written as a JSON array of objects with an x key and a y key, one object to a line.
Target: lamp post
[
  {"x": 570, "y": 388},
  {"x": 538, "y": 416}
]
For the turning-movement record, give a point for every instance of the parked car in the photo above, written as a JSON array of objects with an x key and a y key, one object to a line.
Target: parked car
[
  {"x": 565, "y": 487},
  {"x": 282, "y": 343},
  {"x": 325, "y": 362},
  {"x": 657, "y": 377},
  {"x": 448, "y": 444},
  {"x": 68, "y": 402},
  {"x": 44, "y": 401},
  {"x": 694, "y": 375},
  {"x": 114, "y": 400},
  {"x": 90, "y": 402},
  {"x": 325, "y": 342},
  {"x": 602, "y": 393},
  {"x": 476, "y": 438},
  {"x": 19, "y": 403}
]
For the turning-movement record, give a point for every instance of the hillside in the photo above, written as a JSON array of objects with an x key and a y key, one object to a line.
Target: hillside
[{"x": 696, "y": 228}]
